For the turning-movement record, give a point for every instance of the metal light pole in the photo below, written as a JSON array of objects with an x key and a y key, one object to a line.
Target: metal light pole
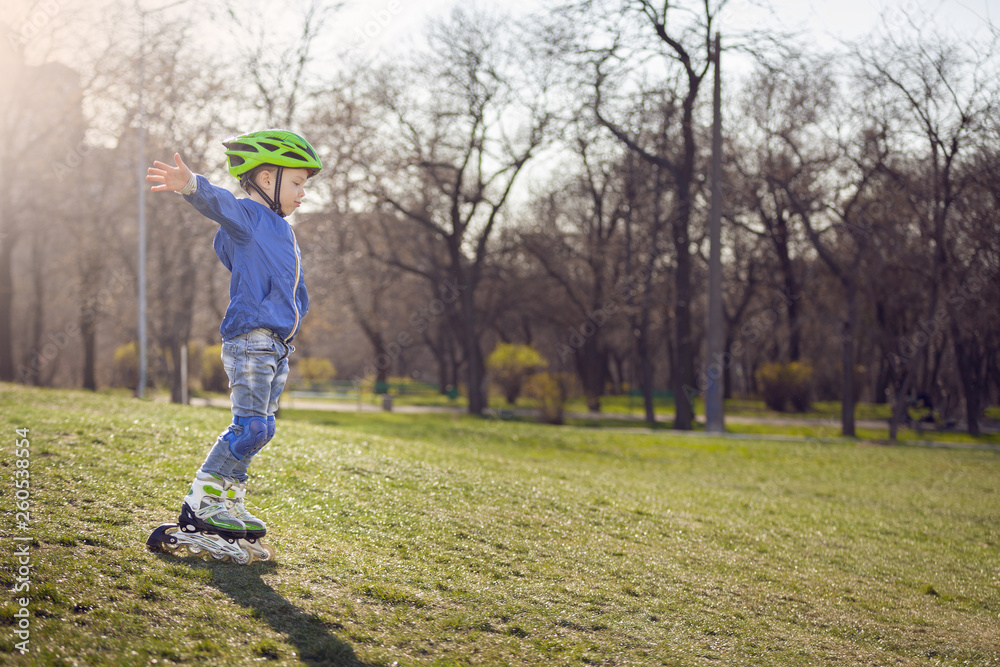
[
  {"x": 143, "y": 355},
  {"x": 715, "y": 364},
  {"x": 141, "y": 389}
]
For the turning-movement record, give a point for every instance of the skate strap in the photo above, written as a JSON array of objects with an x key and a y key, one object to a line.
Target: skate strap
[{"x": 209, "y": 511}]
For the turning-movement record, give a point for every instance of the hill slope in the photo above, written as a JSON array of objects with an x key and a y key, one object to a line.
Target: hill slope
[{"x": 447, "y": 540}]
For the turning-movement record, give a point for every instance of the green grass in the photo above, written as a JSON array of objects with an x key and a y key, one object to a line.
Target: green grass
[
  {"x": 453, "y": 540},
  {"x": 746, "y": 417},
  {"x": 614, "y": 406},
  {"x": 623, "y": 410}
]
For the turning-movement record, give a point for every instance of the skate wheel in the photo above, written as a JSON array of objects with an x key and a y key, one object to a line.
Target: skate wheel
[
  {"x": 162, "y": 539},
  {"x": 269, "y": 553},
  {"x": 170, "y": 542},
  {"x": 193, "y": 549},
  {"x": 220, "y": 557},
  {"x": 242, "y": 559},
  {"x": 257, "y": 550}
]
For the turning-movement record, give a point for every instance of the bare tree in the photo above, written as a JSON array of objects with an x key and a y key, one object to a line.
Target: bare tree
[
  {"x": 781, "y": 106},
  {"x": 685, "y": 49},
  {"x": 279, "y": 71},
  {"x": 367, "y": 282},
  {"x": 460, "y": 132},
  {"x": 976, "y": 316},
  {"x": 577, "y": 243},
  {"x": 183, "y": 112},
  {"x": 835, "y": 224},
  {"x": 102, "y": 208},
  {"x": 939, "y": 92},
  {"x": 40, "y": 125}
]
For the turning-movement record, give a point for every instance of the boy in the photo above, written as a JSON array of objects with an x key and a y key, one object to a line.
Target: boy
[{"x": 268, "y": 300}]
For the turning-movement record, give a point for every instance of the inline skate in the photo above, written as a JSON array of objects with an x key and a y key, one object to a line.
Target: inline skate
[
  {"x": 205, "y": 525},
  {"x": 255, "y": 528}
]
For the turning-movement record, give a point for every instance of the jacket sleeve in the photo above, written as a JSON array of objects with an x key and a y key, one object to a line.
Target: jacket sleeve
[{"x": 223, "y": 207}]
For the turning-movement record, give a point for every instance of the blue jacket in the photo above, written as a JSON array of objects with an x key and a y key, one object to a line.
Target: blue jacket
[{"x": 258, "y": 246}]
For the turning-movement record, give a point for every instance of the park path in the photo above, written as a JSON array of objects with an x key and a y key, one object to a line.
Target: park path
[
  {"x": 828, "y": 428},
  {"x": 349, "y": 405}
]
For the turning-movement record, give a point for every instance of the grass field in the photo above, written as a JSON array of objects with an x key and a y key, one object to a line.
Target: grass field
[
  {"x": 743, "y": 416},
  {"x": 450, "y": 540}
]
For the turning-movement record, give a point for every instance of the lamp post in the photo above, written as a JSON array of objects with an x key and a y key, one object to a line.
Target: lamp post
[
  {"x": 141, "y": 270},
  {"x": 143, "y": 361}
]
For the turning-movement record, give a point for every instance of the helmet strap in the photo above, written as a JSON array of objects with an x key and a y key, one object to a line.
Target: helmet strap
[{"x": 276, "y": 204}]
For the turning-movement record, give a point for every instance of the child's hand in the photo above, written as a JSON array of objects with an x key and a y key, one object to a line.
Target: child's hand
[{"x": 171, "y": 179}]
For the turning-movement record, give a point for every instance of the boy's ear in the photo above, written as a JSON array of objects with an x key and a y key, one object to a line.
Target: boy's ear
[{"x": 264, "y": 178}]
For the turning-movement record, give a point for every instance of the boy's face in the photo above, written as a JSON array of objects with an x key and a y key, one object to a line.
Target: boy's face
[{"x": 293, "y": 182}]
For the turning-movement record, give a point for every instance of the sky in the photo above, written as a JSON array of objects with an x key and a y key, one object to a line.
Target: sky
[
  {"x": 829, "y": 21},
  {"x": 384, "y": 23},
  {"x": 377, "y": 26}
]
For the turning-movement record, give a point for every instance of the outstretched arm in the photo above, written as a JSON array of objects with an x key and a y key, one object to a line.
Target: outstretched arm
[
  {"x": 170, "y": 179},
  {"x": 213, "y": 202}
]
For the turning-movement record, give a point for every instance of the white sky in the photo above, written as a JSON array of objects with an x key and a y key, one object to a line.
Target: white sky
[
  {"x": 852, "y": 19},
  {"x": 826, "y": 21},
  {"x": 375, "y": 26}
]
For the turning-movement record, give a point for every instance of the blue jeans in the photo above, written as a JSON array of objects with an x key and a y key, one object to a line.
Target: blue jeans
[{"x": 257, "y": 366}]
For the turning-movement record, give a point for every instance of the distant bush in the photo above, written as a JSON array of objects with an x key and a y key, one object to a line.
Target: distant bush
[
  {"x": 125, "y": 366},
  {"x": 213, "y": 372},
  {"x": 786, "y": 386},
  {"x": 196, "y": 354},
  {"x": 511, "y": 365},
  {"x": 552, "y": 390},
  {"x": 315, "y": 370}
]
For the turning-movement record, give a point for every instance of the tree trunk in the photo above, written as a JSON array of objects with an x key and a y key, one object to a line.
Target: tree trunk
[
  {"x": 6, "y": 309},
  {"x": 794, "y": 328},
  {"x": 790, "y": 296},
  {"x": 727, "y": 366},
  {"x": 642, "y": 349},
  {"x": 683, "y": 371},
  {"x": 882, "y": 382},
  {"x": 476, "y": 375},
  {"x": 908, "y": 371},
  {"x": 618, "y": 377},
  {"x": 591, "y": 365},
  {"x": 88, "y": 335},
  {"x": 454, "y": 365},
  {"x": 475, "y": 370},
  {"x": 438, "y": 349},
  {"x": 444, "y": 385},
  {"x": 847, "y": 398},
  {"x": 971, "y": 371},
  {"x": 36, "y": 343},
  {"x": 383, "y": 362}
]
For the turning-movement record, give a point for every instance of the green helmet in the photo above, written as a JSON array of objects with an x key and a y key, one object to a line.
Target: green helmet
[{"x": 277, "y": 147}]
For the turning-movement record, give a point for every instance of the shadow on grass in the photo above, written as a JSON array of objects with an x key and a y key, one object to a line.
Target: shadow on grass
[{"x": 311, "y": 635}]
